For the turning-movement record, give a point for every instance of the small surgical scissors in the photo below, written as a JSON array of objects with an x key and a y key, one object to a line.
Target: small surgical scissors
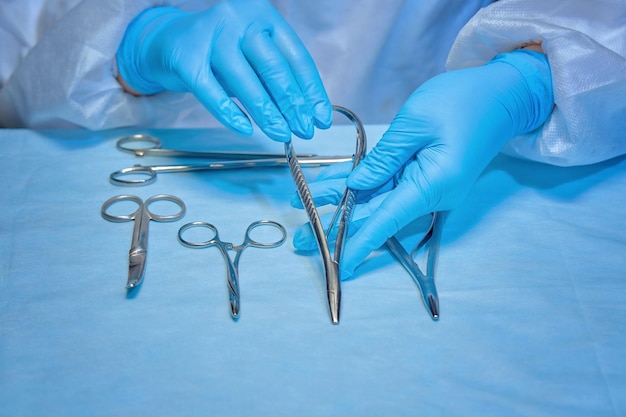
[
  {"x": 141, "y": 216},
  {"x": 425, "y": 282},
  {"x": 144, "y": 175},
  {"x": 232, "y": 273},
  {"x": 146, "y": 145}
]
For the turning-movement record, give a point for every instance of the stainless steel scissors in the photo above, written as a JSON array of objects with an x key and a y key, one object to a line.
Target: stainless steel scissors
[
  {"x": 425, "y": 282},
  {"x": 232, "y": 273},
  {"x": 146, "y": 145},
  {"x": 143, "y": 175},
  {"x": 142, "y": 216}
]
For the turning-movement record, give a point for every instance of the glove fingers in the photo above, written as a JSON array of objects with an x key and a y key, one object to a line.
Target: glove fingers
[
  {"x": 306, "y": 74},
  {"x": 397, "y": 209},
  {"x": 397, "y": 146},
  {"x": 328, "y": 186},
  {"x": 214, "y": 98},
  {"x": 276, "y": 75},
  {"x": 335, "y": 171},
  {"x": 304, "y": 238},
  {"x": 324, "y": 192},
  {"x": 239, "y": 79}
]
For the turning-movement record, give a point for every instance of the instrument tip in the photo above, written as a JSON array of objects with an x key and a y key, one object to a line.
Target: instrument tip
[
  {"x": 334, "y": 300},
  {"x": 132, "y": 284},
  {"x": 234, "y": 309},
  {"x": 433, "y": 305}
]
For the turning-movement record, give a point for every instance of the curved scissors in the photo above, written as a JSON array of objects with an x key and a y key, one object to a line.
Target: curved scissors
[
  {"x": 232, "y": 273},
  {"x": 141, "y": 217}
]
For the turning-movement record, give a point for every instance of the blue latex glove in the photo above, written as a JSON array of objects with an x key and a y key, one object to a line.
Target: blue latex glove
[
  {"x": 238, "y": 48},
  {"x": 437, "y": 146},
  {"x": 328, "y": 188}
]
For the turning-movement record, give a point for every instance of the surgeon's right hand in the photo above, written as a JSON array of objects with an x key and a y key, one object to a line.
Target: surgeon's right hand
[
  {"x": 237, "y": 48},
  {"x": 437, "y": 146}
]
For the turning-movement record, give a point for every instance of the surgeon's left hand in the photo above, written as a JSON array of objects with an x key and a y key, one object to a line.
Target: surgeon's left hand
[
  {"x": 237, "y": 48},
  {"x": 437, "y": 146}
]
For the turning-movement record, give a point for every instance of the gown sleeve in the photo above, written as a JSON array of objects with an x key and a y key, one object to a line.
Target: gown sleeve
[
  {"x": 68, "y": 78},
  {"x": 585, "y": 41}
]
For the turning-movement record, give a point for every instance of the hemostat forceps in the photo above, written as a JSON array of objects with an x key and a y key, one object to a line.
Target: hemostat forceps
[
  {"x": 232, "y": 273},
  {"x": 343, "y": 212},
  {"x": 425, "y": 282}
]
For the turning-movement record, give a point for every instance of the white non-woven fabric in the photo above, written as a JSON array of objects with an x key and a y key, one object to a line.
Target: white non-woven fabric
[
  {"x": 58, "y": 68},
  {"x": 586, "y": 45},
  {"x": 371, "y": 58}
]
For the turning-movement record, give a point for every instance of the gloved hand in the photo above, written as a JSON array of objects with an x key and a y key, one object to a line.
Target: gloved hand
[
  {"x": 237, "y": 48},
  {"x": 437, "y": 146},
  {"x": 328, "y": 188}
]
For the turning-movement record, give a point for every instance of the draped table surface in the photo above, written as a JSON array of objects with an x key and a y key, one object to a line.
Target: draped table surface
[{"x": 530, "y": 279}]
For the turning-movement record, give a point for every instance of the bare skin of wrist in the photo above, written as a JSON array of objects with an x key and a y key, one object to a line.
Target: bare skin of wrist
[
  {"x": 127, "y": 87},
  {"x": 534, "y": 47}
]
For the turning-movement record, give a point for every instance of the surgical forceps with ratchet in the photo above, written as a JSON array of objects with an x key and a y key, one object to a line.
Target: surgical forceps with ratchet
[
  {"x": 232, "y": 272},
  {"x": 142, "y": 216},
  {"x": 343, "y": 214},
  {"x": 143, "y": 175},
  {"x": 425, "y": 282}
]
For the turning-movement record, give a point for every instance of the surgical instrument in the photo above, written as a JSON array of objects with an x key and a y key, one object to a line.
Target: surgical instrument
[
  {"x": 425, "y": 282},
  {"x": 146, "y": 145},
  {"x": 143, "y": 175},
  {"x": 232, "y": 272},
  {"x": 141, "y": 216},
  {"x": 343, "y": 213}
]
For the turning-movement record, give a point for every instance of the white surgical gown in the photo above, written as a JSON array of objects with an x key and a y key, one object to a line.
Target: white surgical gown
[{"x": 57, "y": 63}]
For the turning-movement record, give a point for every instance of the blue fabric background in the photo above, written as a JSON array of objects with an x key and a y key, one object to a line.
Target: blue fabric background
[{"x": 530, "y": 279}]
